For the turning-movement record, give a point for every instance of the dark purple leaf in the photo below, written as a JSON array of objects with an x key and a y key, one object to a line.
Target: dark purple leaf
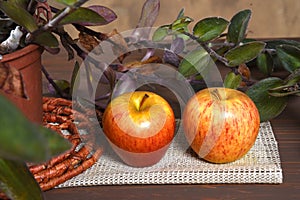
[
  {"x": 83, "y": 16},
  {"x": 171, "y": 58},
  {"x": 149, "y": 13},
  {"x": 51, "y": 89},
  {"x": 52, "y": 50},
  {"x": 177, "y": 45},
  {"x": 105, "y": 12},
  {"x": 148, "y": 16},
  {"x": 150, "y": 52},
  {"x": 110, "y": 75}
]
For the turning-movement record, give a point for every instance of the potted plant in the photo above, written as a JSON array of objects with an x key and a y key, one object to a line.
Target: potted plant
[{"x": 28, "y": 28}]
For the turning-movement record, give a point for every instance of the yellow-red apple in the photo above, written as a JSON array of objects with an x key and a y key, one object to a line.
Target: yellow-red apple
[
  {"x": 140, "y": 126},
  {"x": 221, "y": 124}
]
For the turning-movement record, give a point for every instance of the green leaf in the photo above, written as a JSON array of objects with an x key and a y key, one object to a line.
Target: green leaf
[
  {"x": 160, "y": 33},
  {"x": 62, "y": 84},
  {"x": 46, "y": 39},
  {"x": 22, "y": 3},
  {"x": 82, "y": 15},
  {"x": 265, "y": 63},
  {"x": 284, "y": 93},
  {"x": 267, "y": 105},
  {"x": 22, "y": 140},
  {"x": 293, "y": 79},
  {"x": 67, "y": 2},
  {"x": 272, "y": 44},
  {"x": 54, "y": 142},
  {"x": 289, "y": 57},
  {"x": 289, "y": 87},
  {"x": 21, "y": 17},
  {"x": 194, "y": 62},
  {"x": 180, "y": 14},
  {"x": 232, "y": 80},
  {"x": 210, "y": 28},
  {"x": 181, "y": 23},
  {"x": 107, "y": 14},
  {"x": 244, "y": 53},
  {"x": 238, "y": 26},
  {"x": 17, "y": 181}
]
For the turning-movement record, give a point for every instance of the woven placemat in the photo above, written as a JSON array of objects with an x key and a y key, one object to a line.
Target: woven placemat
[{"x": 260, "y": 165}]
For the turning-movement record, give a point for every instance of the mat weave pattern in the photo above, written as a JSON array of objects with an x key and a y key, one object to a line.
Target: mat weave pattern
[{"x": 180, "y": 166}]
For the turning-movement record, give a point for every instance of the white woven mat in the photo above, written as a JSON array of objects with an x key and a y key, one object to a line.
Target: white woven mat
[{"x": 260, "y": 165}]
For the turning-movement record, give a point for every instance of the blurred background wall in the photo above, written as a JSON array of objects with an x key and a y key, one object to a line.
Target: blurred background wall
[{"x": 270, "y": 18}]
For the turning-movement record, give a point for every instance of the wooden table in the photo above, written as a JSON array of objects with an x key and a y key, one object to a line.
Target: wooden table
[{"x": 287, "y": 132}]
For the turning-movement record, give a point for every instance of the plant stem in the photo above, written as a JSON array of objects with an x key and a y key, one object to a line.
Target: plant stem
[
  {"x": 207, "y": 48},
  {"x": 31, "y": 5},
  {"x": 82, "y": 54},
  {"x": 220, "y": 44},
  {"x": 55, "y": 21},
  {"x": 51, "y": 81},
  {"x": 98, "y": 35}
]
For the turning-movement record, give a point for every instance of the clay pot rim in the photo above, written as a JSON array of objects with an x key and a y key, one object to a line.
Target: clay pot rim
[{"x": 19, "y": 53}]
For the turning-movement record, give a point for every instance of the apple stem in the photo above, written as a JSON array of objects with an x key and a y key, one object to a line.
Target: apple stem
[
  {"x": 143, "y": 100},
  {"x": 216, "y": 94}
]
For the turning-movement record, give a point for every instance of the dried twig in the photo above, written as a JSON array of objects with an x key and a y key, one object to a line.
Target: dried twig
[{"x": 59, "y": 115}]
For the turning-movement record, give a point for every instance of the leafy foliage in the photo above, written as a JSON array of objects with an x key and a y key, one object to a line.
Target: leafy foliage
[
  {"x": 265, "y": 63},
  {"x": 209, "y": 28},
  {"x": 244, "y": 53},
  {"x": 41, "y": 30},
  {"x": 194, "y": 62},
  {"x": 268, "y": 105},
  {"x": 238, "y": 26},
  {"x": 233, "y": 50},
  {"x": 23, "y": 141},
  {"x": 20, "y": 140},
  {"x": 232, "y": 80},
  {"x": 17, "y": 181},
  {"x": 289, "y": 56}
]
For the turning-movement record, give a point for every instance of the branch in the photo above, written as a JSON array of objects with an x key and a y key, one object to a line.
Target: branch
[
  {"x": 55, "y": 21},
  {"x": 98, "y": 35},
  {"x": 62, "y": 33},
  {"x": 51, "y": 81},
  {"x": 207, "y": 48}
]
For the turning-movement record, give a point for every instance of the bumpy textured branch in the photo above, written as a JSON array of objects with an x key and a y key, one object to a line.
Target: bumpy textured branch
[{"x": 59, "y": 115}]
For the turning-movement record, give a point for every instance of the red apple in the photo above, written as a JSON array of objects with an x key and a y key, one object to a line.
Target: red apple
[
  {"x": 221, "y": 124},
  {"x": 140, "y": 126}
]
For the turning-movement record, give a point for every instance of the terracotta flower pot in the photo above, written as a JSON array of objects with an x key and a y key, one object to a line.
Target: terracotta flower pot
[{"x": 28, "y": 62}]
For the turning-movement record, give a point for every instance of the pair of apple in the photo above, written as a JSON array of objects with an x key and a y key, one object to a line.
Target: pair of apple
[{"x": 220, "y": 125}]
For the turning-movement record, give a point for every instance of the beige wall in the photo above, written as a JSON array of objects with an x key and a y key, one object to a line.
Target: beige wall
[{"x": 270, "y": 18}]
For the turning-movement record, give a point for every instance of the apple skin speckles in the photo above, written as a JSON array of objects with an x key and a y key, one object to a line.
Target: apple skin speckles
[
  {"x": 221, "y": 124},
  {"x": 140, "y": 127}
]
